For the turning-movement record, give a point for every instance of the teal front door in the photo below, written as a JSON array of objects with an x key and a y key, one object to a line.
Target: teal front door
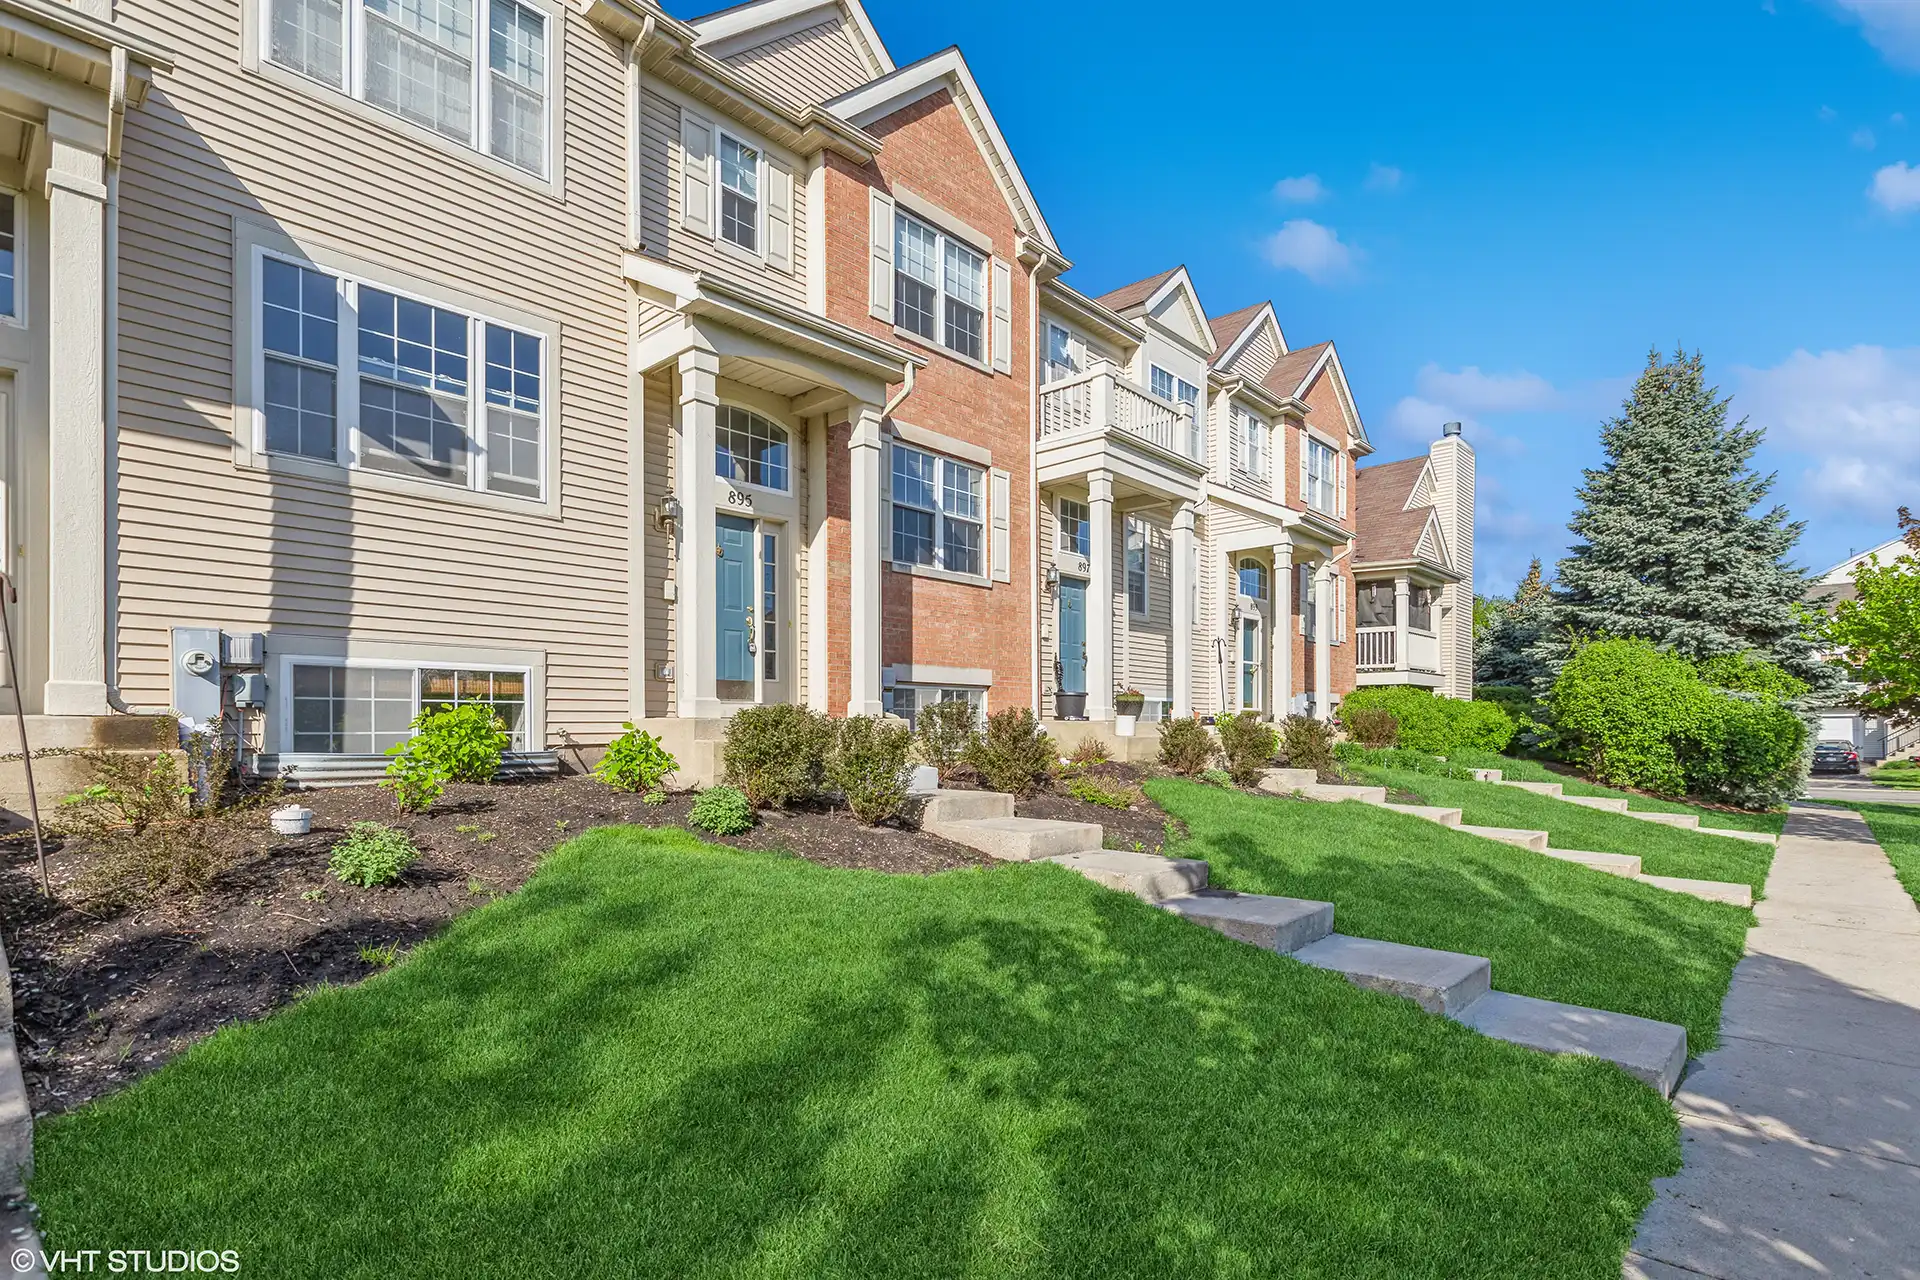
[
  {"x": 733, "y": 598},
  {"x": 1073, "y": 636}
]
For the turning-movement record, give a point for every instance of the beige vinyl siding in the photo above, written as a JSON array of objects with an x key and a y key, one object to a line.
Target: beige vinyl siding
[
  {"x": 657, "y": 555},
  {"x": 1258, "y": 357},
  {"x": 1047, "y": 529},
  {"x": 1146, "y": 644},
  {"x": 661, "y": 157},
  {"x": 808, "y": 66},
  {"x": 1206, "y": 668},
  {"x": 204, "y": 540}
]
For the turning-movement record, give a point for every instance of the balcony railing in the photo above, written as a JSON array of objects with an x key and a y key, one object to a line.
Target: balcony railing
[
  {"x": 1101, "y": 398},
  {"x": 1379, "y": 645},
  {"x": 1376, "y": 647}
]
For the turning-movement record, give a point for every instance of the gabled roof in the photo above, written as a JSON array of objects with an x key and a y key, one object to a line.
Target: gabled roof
[
  {"x": 1235, "y": 333},
  {"x": 1297, "y": 371},
  {"x": 948, "y": 70},
  {"x": 1152, "y": 296},
  {"x": 1293, "y": 371},
  {"x": 1227, "y": 328},
  {"x": 1843, "y": 572},
  {"x": 1128, "y": 296},
  {"x": 1390, "y": 527},
  {"x": 736, "y": 26}
]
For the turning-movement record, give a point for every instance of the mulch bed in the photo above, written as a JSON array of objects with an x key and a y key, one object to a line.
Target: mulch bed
[{"x": 101, "y": 1000}]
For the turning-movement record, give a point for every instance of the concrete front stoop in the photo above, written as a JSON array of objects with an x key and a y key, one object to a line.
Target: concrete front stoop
[{"x": 58, "y": 769}]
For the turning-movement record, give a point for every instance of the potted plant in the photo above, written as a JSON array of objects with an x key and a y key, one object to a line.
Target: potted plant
[{"x": 1128, "y": 703}]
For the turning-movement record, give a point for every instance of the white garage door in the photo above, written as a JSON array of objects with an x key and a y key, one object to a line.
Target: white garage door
[{"x": 1840, "y": 729}]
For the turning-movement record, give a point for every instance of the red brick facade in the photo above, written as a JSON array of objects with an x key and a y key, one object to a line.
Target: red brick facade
[{"x": 1325, "y": 415}]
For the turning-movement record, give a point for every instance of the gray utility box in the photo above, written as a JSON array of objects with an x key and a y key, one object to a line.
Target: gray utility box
[
  {"x": 243, "y": 649},
  {"x": 196, "y": 673},
  {"x": 249, "y": 690}
]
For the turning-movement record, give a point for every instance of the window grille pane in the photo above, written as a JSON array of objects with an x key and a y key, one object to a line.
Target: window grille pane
[
  {"x": 751, "y": 450},
  {"x": 412, "y": 343},
  {"x": 1161, "y": 383},
  {"x": 913, "y": 477},
  {"x": 504, "y": 691},
  {"x": 769, "y": 606},
  {"x": 420, "y": 62},
  {"x": 513, "y": 377},
  {"x": 964, "y": 329},
  {"x": 913, "y": 306},
  {"x": 1136, "y": 564},
  {"x": 966, "y": 276},
  {"x": 517, "y": 55},
  {"x": 413, "y": 433},
  {"x": 1059, "y": 347},
  {"x": 300, "y": 410},
  {"x": 739, "y": 168},
  {"x": 299, "y": 312},
  {"x": 1076, "y": 535},
  {"x": 960, "y": 545},
  {"x": 1253, "y": 579},
  {"x": 916, "y": 248},
  {"x": 916, "y": 278},
  {"x": 960, "y": 491},
  {"x": 912, "y": 536},
  {"x": 308, "y": 36}
]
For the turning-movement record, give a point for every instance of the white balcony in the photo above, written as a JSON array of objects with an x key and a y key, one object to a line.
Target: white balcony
[
  {"x": 1379, "y": 661},
  {"x": 1100, "y": 419}
]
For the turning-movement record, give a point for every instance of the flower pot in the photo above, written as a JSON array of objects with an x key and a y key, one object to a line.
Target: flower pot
[
  {"x": 1070, "y": 706},
  {"x": 293, "y": 820},
  {"x": 1123, "y": 725}
]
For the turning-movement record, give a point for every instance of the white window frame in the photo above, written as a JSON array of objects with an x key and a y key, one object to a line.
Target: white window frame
[
  {"x": 1182, "y": 391},
  {"x": 943, "y": 693},
  {"x": 353, "y": 73},
  {"x": 17, "y": 317},
  {"x": 721, "y": 136},
  {"x": 1053, "y": 370},
  {"x": 415, "y": 666},
  {"x": 939, "y": 337},
  {"x": 1128, "y": 526},
  {"x": 347, "y": 379},
  {"x": 941, "y": 465},
  {"x": 1060, "y": 522},
  {"x": 1251, "y": 436},
  {"x": 1322, "y": 481},
  {"x": 1266, "y": 579},
  {"x": 782, "y": 427}
]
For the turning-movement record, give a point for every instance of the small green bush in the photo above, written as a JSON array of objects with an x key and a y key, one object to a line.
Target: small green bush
[
  {"x": 416, "y": 781},
  {"x": 944, "y": 733},
  {"x": 466, "y": 741},
  {"x": 1014, "y": 754},
  {"x": 1306, "y": 743},
  {"x": 1373, "y": 726},
  {"x": 725, "y": 811},
  {"x": 1088, "y": 751},
  {"x": 1430, "y": 723},
  {"x": 1218, "y": 777},
  {"x": 1116, "y": 795},
  {"x": 1248, "y": 745},
  {"x": 635, "y": 761},
  {"x": 776, "y": 754},
  {"x": 1186, "y": 746},
  {"x": 868, "y": 764},
  {"x": 372, "y": 854}
]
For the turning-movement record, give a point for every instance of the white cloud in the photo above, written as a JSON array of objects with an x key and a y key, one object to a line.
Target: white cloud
[
  {"x": 1898, "y": 119},
  {"x": 1305, "y": 189},
  {"x": 1896, "y": 188},
  {"x": 1478, "y": 392},
  {"x": 1863, "y": 139},
  {"x": 1891, "y": 26},
  {"x": 1385, "y": 177},
  {"x": 1315, "y": 251},
  {"x": 1854, "y": 418}
]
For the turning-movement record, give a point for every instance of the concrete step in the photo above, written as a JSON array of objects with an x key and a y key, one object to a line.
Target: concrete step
[
  {"x": 1534, "y": 840},
  {"x": 1487, "y": 775},
  {"x": 1334, "y": 794},
  {"x": 1275, "y": 924},
  {"x": 965, "y": 806},
  {"x": 1754, "y": 837},
  {"x": 1021, "y": 839},
  {"x": 1437, "y": 981},
  {"x": 78, "y": 733},
  {"x": 1146, "y": 876},
  {"x": 1614, "y": 864},
  {"x": 1608, "y": 804},
  {"x": 1684, "y": 821},
  {"x": 1431, "y": 812},
  {"x": 1739, "y": 895},
  {"x": 1554, "y": 789},
  {"x": 1286, "y": 781},
  {"x": 1654, "y": 1052}
]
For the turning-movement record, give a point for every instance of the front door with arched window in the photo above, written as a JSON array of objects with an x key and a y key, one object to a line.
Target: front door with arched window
[{"x": 1251, "y": 642}]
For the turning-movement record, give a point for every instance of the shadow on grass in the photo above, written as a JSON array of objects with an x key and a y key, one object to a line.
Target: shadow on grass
[{"x": 659, "y": 1059}]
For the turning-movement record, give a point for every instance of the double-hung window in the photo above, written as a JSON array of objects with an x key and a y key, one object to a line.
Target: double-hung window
[
  {"x": 739, "y": 194},
  {"x": 939, "y": 512},
  {"x": 401, "y": 373},
  {"x": 1061, "y": 363},
  {"x": 336, "y": 709},
  {"x": 1076, "y": 529},
  {"x": 473, "y": 71},
  {"x": 1253, "y": 445},
  {"x": 939, "y": 288},
  {"x": 1178, "y": 390},
  {"x": 1136, "y": 563},
  {"x": 1322, "y": 478}
]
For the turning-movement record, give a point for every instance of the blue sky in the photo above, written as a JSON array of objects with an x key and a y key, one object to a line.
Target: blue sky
[{"x": 1496, "y": 209}]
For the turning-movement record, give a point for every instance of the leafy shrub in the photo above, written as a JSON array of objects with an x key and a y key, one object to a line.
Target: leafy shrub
[
  {"x": 1403, "y": 759},
  {"x": 1014, "y": 754},
  {"x": 1306, "y": 743},
  {"x": 372, "y": 854},
  {"x": 1218, "y": 777},
  {"x": 1746, "y": 751},
  {"x": 635, "y": 761},
  {"x": 868, "y": 764},
  {"x": 1532, "y": 721},
  {"x": 464, "y": 742},
  {"x": 1089, "y": 751},
  {"x": 1430, "y": 723},
  {"x": 1751, "y": 673},
  {"x": 1373, "y": 726},
  {"x": 415, "y": 780},
  {"x": 654, "y": 798},
  {"x": 1186, "y": 746},
  {"x": 130, "y": 867},
  {"x": 725, "y": 811},
  {"x": 1248, "y": 744},
  {"x": 129, "y": 793},
  {"x": 944, "y": 732},
  {"x": 1115, "y": 795},
  {"x": 775, "y": 754}
]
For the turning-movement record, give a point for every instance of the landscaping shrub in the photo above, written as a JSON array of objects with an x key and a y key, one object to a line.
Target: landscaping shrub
[
  {"x": 1430, "y": 723},
  {"x": 1306, "y": 743},
  {"x": 725, "y": 811},
  {"x": 416, "y": 781},
  {"x": 1532, "y": 721},
  {"x": 1218, "y": 777},
  {"x": 1746, "y": 751},
  {"x": 1117, "y": 795},
  {"x": 1373, "y": 726},
  {"x": 1014, "y": 754},
  {"x": 372, "y": 854},
  {"x": 943, "y": 733},
  {"x": 129, "y": 793},
  {"x": 130, "y": 867},
  {"x": 1248, "y": 745},
  {"x": 775, "y": 754},
  {"x": 466, "y": 741},
  {"x": 1186, "y": 746},
  {"x": 635, "y": 761},
  {"x": 867, "y": 763},
  {"x": 1088, "y": 751}
]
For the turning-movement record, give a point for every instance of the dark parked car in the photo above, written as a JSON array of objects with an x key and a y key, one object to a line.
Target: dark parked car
[{"x": 1836, "y": 757}]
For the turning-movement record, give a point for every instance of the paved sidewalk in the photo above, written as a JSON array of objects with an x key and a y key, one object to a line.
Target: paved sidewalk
[
  {"x": 1802, "y": 1131},
  {"x": 1848, "y": 788}
]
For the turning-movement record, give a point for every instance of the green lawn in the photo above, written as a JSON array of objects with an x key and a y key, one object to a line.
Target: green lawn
[
  {"x": 1904, "y": 774},
  {"x": 1533, "y": 771},
  {"x": 1552, "y": 929},
  {"x": 1897, "y": 828},
  {"x": 666, "y": 1059},
  {"x": 1663, "y": 851}
]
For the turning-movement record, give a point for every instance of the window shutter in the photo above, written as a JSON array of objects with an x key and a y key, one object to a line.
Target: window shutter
[
  {"x": 779, "y": 216},
  {"x": 1000, "y": 500},
  {"x": 1301, "y": 588},
  {"x": 1340, "y": 626},
  {"x": 880, "y": 232},
  {"x": 1340, "y": 464},
  {"x": 696, "y": 173},
  {"x": 1303, "y": 468},
  {"x": 1002, "y": 317}
]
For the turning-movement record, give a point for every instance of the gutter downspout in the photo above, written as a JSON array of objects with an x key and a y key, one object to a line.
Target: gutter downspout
[
  {"x": 1033, "y": 486},
  {"x": 110, "y": 380},
  {"x": 635, "y": 48},
  {"x": 900, "y": 397}
]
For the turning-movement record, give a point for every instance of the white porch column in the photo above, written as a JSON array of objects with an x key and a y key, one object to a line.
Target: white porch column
[
  {"x": 1402, "y": 597},
  {"x": 1100, "y": 597},
  {"x": 696, "y": 629},
  {"x": 1281, "y": 609},
  {"x": 1183, "y": 621},
  {"x": 1323, "y": 607},
  {"x": 77, "y": 418},
  {"x": 863, "y": 451},
  {"x": 819, "y": 564}
]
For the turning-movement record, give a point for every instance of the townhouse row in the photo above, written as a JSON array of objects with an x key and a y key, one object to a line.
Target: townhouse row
[{"x": 360, "y": 355}]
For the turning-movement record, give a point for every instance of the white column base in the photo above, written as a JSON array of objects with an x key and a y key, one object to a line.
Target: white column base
[{"x": 75, "y": 698}]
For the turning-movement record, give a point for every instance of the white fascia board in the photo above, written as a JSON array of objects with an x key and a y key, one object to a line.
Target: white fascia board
[
  {"x": 1181, "y": 280},
  {"x": 744, "y": 19}
]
